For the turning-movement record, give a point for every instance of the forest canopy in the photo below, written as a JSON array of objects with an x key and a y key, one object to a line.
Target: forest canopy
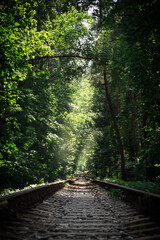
[{"x": 79, "y": 90}]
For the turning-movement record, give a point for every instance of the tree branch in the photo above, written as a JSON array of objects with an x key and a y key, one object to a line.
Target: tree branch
[{"x": 67, "y": 56}]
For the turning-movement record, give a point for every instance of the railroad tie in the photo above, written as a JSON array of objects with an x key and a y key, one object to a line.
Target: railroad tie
[{"x": 80, "y": 210}]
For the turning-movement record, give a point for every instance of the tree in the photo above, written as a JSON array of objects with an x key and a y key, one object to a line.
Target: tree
[{"x": 46, "y": 48}]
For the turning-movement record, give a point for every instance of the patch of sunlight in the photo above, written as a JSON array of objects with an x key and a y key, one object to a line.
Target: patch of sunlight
[{"x": 87, "y": 151}]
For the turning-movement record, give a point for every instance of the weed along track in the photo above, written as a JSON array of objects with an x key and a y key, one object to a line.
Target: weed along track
[{"x": 79, "y": 210}]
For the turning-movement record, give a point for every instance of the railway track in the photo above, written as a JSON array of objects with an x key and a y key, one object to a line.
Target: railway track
[{"x": 80, "y": 210}]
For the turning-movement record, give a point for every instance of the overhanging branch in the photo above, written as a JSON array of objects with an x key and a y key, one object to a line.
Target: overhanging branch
[{"x": 66, "y": 56}]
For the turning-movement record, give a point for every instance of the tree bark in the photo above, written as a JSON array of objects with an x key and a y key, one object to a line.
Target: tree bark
[
  {"x": 119, "y": 139},
  {"x": 118, "y": 100},
  {"x": 100, "y": 14},
  {"x": 66, "y": 56},
  {"x": 135, "y": 130}
]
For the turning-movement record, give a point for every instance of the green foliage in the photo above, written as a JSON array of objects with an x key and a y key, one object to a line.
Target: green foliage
[
  {"x": 146, "y": 186},
  {"x": 20, "y": 42},
  {"x": 70, "y": 29},
  {"x": 10, "y": 191},
  {"x": 53, "y": 111},
  {"x": 116, "y": 194},
  {"x": 32, "y": 110},
  {"x": 78, "y": 134},
  {"x": 132, "y": 57}
]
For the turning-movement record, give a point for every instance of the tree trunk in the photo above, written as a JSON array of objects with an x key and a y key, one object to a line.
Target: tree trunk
[
  {"x": 100, "y": 14},
  {"x": 119, "y": 139},
  {"x": 118, "y": 100},
  {"x": 134, "y": 124}
]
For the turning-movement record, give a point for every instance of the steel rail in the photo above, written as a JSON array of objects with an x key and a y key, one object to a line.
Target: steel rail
[
  {"x": 23, "y": 199},
  {"x": 80, "y": 210},
  {"x": 145, "y": 202}
]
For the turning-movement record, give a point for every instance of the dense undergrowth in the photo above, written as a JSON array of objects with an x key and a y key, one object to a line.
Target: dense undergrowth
[
  {"x": 8, "y": 191},
  {"x": 146, "y": 186}
]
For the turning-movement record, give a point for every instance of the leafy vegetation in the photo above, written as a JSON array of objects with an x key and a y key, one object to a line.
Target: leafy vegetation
[
  {"x": 146, "y": 186},
  {"x": 10, "y": 190},
  {"x": 79, "y": 91},
  {"x": 115, "y": 194}
]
